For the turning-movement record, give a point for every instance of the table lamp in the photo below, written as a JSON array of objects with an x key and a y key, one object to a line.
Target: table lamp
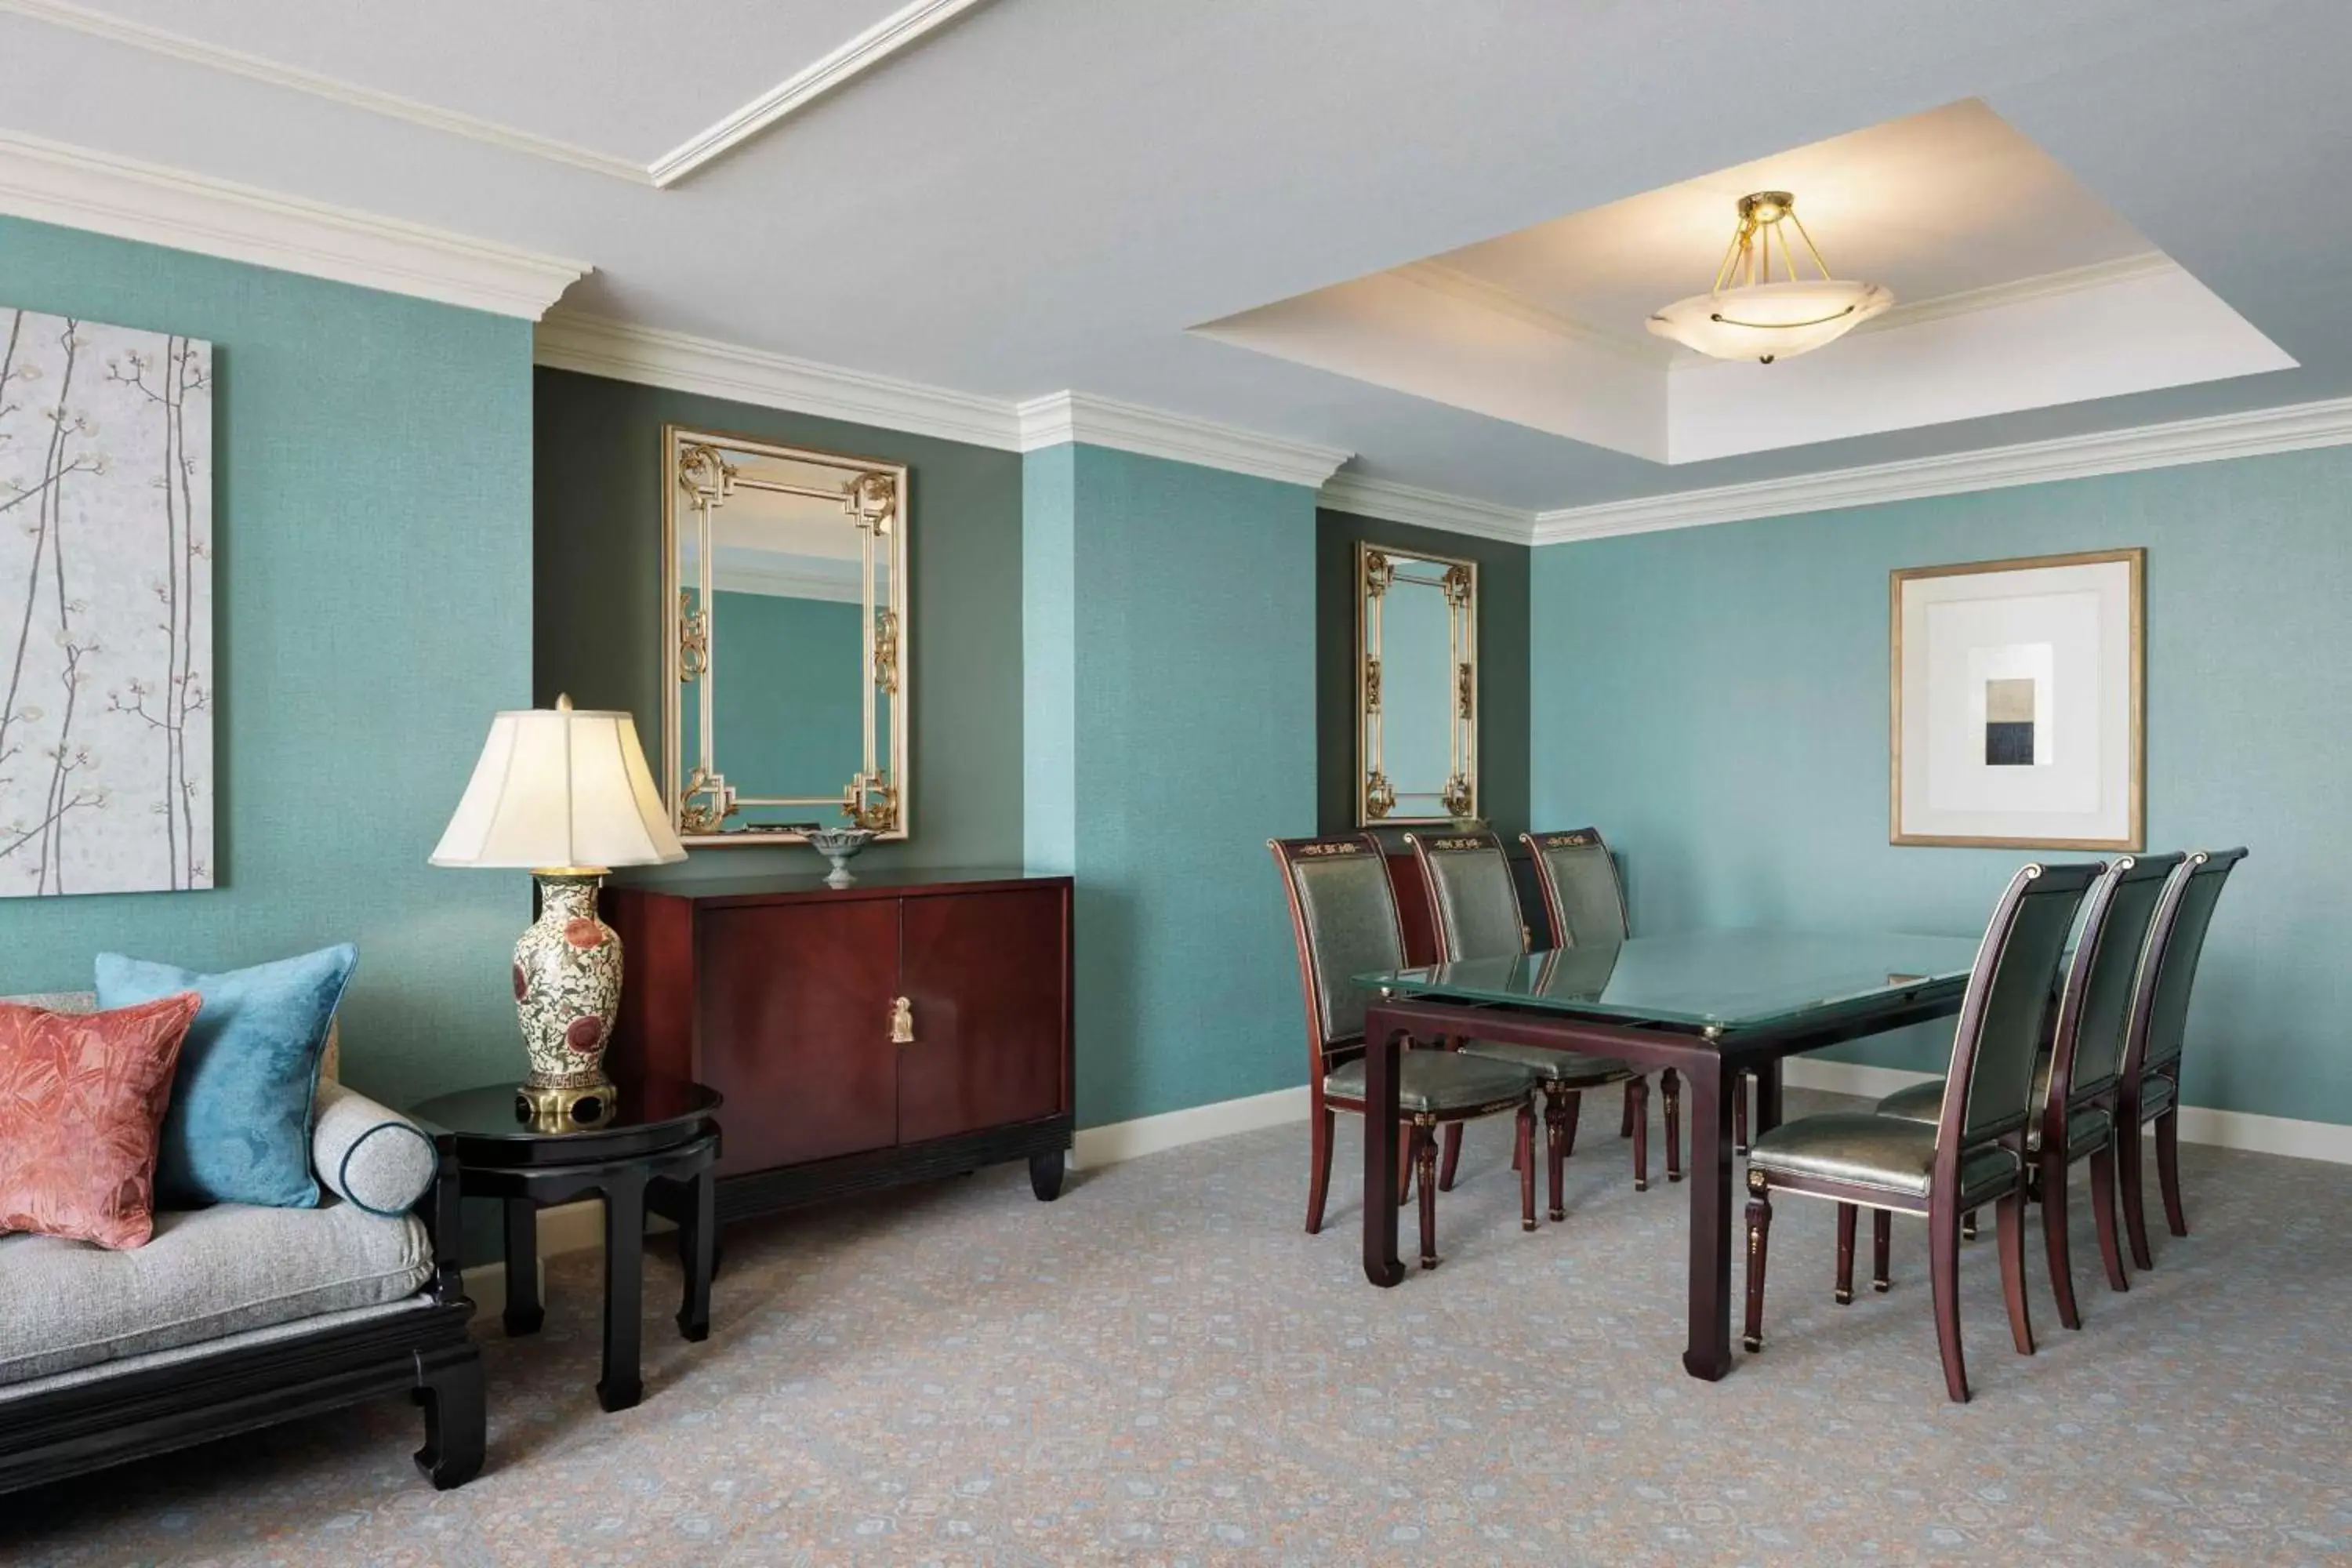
[{"x": 567, "y": 795}]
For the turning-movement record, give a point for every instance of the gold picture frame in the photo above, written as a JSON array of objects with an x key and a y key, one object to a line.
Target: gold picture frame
[
  {"x": 1380, "y": 569},
  {"x": 2120, "y": 636}
]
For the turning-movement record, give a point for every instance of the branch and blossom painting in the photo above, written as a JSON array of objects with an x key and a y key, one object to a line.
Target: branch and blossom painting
[{"x": 105, "y": 647}]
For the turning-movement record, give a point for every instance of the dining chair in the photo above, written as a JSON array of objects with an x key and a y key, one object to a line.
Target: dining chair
[
  {"x": 1585, "y": 899},
  {"x": 1343, "y": 915},
  {"x": 2150, "y": 1090},
  {"x": 1475, "y": 907},
  {"x": 2075, "y": 1084},
  {"x": 1974, "y": 1152}
]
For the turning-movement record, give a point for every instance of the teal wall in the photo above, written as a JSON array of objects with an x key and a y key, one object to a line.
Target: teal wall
[
  {"x": 1717, "y": 700},
  {"x": 372, "y": 582},
  {"x": 1168, "y": 621},
  {"x": 1503, "y": 666},
  {"x": 597, "y": 626},
  {"x": 791, "y": 719}
]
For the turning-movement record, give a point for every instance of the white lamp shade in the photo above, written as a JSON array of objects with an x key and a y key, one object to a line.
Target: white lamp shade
[
  {"x": 559, "y": 788},
  {"x": 1771, "y": 321}
]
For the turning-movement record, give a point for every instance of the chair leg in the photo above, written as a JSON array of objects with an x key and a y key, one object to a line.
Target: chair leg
[
  {"x": 1425, "y": 1157},
  {"x": 2054, "y": 1237},
  {"x": 2127, "y": 1166},
  {"x": 1625, "y": 1120},
  {"x": 1319, "y": 1162},
  {"x": 1670, "y": 1085},
  {"x": 1558, "y": 1105},
  {"x": 2167, "y": 1170},
  {"x": 2008, "y": 1229},
  {"x": 2103, "y": 1208},
  {"x": 1739, "y": 1113},
  {"x": 1527, "y": 1143},
  {"x": 1944, "y": 1281},
  {"x": 1847, "y": 1215},
  {"x": 1453, "y": 1157},
  {"x": 1639, "y": 1088},
  {"x": 1568, "y": 1124},
  {"x": 1881, "y": 1240},
  {"x": 1759, "y": 1229},
  {"x": 1969, "y": 1226}
]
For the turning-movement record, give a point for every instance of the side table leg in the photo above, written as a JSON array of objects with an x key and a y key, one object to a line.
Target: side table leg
[
  {"x": 524, "y": 1313},
  {"x": 624, "y": 1278},
  {"x": 698, "y": 1235}
]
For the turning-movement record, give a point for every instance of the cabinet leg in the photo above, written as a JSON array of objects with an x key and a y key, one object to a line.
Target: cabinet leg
[
  {"x": 523, "y": 1314},
  {"x": 1045, "y": 1172},
  {"x": 624, "y": 1278},
  {"x": 697, "y": 1237}
]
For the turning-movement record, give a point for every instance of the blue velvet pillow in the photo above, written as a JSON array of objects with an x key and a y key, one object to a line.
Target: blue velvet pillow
[{"x": 238, "y": 1129}]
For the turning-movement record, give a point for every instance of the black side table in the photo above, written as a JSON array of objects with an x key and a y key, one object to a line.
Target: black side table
[{"x": 660, "y": 1135}]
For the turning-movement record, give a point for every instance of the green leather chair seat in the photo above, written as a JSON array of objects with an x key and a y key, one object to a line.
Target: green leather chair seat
[
  {"x": 1875, "y": 1151},
  {"x": 1570, "y": 1070},
  {"x": 2155, "y": 1093},
  {"x": 1434, "y": 1082}
]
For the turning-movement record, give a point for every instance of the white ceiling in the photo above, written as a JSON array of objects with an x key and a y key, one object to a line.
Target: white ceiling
[{"x": 1046, "y": 194}]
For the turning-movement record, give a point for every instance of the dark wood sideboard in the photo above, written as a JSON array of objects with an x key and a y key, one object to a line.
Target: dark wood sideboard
[{"x": 913, "y": 1026}]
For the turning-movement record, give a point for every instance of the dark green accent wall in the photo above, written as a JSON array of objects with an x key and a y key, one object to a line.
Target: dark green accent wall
[
  {"x": 1503, "y": 720},
  {"x": 598, "y": 621},
  {"x": 371, "y": 609}
]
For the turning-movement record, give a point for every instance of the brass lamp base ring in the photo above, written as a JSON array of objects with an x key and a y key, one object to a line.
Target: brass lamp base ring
[{"x": 566, "y": 1108}]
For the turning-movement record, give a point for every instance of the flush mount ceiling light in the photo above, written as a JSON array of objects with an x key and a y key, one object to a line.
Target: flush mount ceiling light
[{"x": 1747, "y": 315}]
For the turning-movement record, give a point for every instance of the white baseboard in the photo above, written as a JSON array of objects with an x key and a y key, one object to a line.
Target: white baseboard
[
  {"x": 566, "y": 1227},
  {"x": 1108, "y": 1145},
  {"x": 2198, "y": 1124}
]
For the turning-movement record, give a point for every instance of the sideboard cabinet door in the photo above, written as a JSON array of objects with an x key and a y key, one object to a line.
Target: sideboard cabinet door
[
  {"x": 985, "y": 975},
  {"x": 795, "y": 1028}
]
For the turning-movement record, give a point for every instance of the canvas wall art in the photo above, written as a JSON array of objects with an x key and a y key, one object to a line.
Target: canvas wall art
[
  {"x": 106, "y": 645},
  {"x": 2017, "y": 703}
]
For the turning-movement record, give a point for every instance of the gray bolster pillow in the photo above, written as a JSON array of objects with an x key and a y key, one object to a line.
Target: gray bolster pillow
[{"x": 367, "y": 1155}]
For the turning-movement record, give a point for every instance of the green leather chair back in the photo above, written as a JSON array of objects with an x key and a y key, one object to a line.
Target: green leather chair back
[
  {"x": 1581, "y": 890},
  {"x": 1344, "y": 915},
  {"x": 1990, "y": 1089},
  {"x": 2174, "y": 948},
  {"x": 2095, "y": 1015},
  {"x": 1471, "y": 900}
]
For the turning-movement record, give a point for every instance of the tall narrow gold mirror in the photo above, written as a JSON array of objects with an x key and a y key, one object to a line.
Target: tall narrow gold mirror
[
  {"x": 1417, "y": 686},
  {"x": 785, "y": 663}
]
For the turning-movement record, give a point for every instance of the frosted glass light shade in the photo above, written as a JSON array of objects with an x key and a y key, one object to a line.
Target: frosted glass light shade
[
  {"x": 556, "y": 789},
  {"x": 1771, "y": 321}
]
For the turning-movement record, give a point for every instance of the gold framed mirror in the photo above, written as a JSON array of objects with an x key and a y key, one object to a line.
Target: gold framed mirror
[
  {"x": 1417, "y": 686},
  {"x": 785, "y": 654}
]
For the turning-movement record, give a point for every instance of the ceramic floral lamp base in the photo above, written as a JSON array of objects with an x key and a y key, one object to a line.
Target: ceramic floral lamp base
[{"x": 567, "y": 986}]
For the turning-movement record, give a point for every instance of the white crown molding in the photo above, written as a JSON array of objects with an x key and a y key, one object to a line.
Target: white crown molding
[
  {"x": 2070, "y": 280},
  {"x": 1101, "y": 422},
  {"x": 52, "y": 183},
  {"x": 598, "y": 346},
  {"x": 898, "y": 30},
  {"x": 236, "y": 62},
  {"x": 2211, "y": 440},
  {"x": 1393, "y": 502}
]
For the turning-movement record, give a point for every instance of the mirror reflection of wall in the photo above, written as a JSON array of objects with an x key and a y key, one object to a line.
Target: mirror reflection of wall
[
  {"x": 788, "y": 675},
  {"x": 1417, "y": 749}
]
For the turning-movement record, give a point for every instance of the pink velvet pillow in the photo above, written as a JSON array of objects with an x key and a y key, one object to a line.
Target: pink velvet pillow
[{"x": 82, "y": 1098}]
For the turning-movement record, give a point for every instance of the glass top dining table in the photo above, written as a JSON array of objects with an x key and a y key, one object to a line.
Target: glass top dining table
[
  {"x": 1720, "y": 1009},
  {"x": 1717, "y": 980}
]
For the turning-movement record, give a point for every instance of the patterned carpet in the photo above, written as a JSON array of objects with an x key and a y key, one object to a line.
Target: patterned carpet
[{"x": 1160, "y": 1368}]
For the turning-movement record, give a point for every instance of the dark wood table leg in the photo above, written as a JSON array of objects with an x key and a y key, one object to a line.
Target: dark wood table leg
[
  {"x": 524, "y": 1314},
  {"x": 696, "y": 1234},
  {"x": 625, "y": 1271},
  {"x": 1381, "y": 1265},
  {"x": 1767, "y": 1098},
  {"x": 1708, "y": 1354}
]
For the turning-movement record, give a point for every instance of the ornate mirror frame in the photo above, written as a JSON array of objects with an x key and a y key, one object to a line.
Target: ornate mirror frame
[
  {"x": 1380, "y": 568},
  {"x": 698, "y": 478}
]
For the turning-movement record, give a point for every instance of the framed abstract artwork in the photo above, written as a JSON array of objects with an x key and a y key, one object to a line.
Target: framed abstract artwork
[
  {"x": 106, "y": 608},
  {"x": 2019, "y": 702}
]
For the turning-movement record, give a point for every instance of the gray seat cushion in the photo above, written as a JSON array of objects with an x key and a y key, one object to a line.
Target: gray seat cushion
[
  {"x": 1875, "y": 1151},
  {"x": 1571, "y": 1069},
  {"x": 1433, "y": 1082},
  {"x": 207, "y": 1272}
]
